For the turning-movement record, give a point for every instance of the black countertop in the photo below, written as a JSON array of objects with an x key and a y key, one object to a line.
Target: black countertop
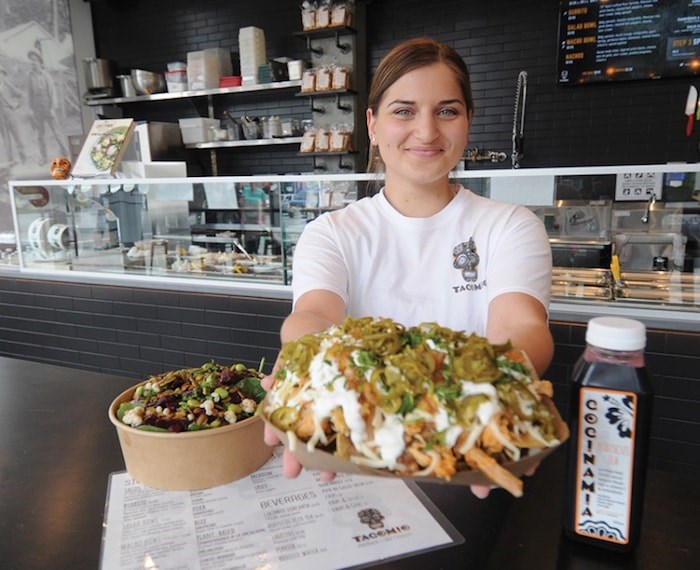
[{"x": 57, "y": 449}]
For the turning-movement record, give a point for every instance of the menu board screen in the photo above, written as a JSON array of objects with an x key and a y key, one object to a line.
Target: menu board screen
[{"x": 614, "y": 40}]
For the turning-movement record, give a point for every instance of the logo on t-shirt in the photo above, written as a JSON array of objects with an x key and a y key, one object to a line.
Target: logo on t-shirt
[{"x": 466, "y": 260}]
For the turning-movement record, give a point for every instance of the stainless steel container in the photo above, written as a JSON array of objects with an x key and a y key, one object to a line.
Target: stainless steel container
[
  {"x": 126, "y": 85},
  {"x": 98, "y": 73}
]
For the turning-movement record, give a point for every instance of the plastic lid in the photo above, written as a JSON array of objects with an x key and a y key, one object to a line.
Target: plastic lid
[{"x": 616, "y": 333}]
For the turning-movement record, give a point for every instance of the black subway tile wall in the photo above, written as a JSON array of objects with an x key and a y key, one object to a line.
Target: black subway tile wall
[
  {"x": 148, "y": 331},
  {"x": 139, "y": 331},
  {"x": 630, "y": 122}
]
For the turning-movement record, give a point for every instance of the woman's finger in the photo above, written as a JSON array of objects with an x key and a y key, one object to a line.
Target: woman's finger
[
  {"x": 269, "y": 437},
  {"x": 290, "y": 466},
  {"x": 481, "y": 491}
]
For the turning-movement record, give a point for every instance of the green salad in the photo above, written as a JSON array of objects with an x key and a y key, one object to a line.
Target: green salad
[{"x": 193, "y": 399}]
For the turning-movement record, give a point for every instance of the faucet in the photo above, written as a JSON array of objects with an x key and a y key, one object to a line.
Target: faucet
[
  {"x": 650, "y": 203},
  {"x": 519, "y": 119}
]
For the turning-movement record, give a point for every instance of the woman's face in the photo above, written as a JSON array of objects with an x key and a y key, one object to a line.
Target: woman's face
[{"x": 421, "y": 126}]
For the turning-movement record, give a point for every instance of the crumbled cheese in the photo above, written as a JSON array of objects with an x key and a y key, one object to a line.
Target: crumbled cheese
[
  {"x": 230, "y": 416},
  {"x": 248, "y": 405},
  {"x": 134, "y": 416},
  {"x": 208, "y": 407}
]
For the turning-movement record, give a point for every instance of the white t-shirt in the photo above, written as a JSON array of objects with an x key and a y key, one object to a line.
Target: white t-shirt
[{"x": 444, "y": 269}]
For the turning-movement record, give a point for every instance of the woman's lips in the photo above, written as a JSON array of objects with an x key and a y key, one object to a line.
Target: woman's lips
[{"x": 425, "y": 151}]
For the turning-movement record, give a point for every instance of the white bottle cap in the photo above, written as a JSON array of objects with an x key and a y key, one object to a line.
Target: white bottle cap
[{"x": 616, "y": 333}]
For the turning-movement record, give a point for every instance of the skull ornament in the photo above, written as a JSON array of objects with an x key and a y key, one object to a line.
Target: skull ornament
[{"x": 60, "y": 168}]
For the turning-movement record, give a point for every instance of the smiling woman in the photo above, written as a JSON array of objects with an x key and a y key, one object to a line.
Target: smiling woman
[{"x": 424, "y": 249}]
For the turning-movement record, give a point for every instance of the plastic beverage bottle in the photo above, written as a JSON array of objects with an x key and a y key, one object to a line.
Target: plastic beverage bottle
[{"x": 609, "y": 420}]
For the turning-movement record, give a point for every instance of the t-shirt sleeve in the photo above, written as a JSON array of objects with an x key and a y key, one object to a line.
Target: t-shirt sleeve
[
  {"x": 318, "y": 262},
  {"x": 522, "y": 258}
]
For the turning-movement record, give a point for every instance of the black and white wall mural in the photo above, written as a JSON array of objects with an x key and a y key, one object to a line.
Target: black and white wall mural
[{"x": 40, "y": 103}]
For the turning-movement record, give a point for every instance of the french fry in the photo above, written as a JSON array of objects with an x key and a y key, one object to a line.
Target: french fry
[{"x": 499, "y": 475}]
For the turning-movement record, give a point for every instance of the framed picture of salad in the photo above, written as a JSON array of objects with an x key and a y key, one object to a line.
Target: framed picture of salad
[{"x": 103, "y": 148}]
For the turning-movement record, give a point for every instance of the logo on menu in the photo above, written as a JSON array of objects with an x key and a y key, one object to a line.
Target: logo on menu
[{"x": 374, "y": 519}]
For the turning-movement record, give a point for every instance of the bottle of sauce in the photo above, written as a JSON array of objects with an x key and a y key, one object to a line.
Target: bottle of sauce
[{"x": 609, "y": 420}]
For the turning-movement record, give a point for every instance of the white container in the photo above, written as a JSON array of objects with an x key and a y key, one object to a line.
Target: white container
[
  {"x": 177, "y": 66},
  {"x": 197, "y": 130},
  {"x": 176, "y": 81},
  {"x": 295, "y": 69},
  {"x": 251, "y": 45},
  {"x": 206, "y": 67}
]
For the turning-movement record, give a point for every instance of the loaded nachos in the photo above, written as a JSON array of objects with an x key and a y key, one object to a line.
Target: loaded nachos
[{"x": 413, "y": 401}]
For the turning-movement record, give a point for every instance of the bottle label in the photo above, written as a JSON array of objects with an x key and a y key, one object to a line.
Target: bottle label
[{"x": 606, "y": 442}]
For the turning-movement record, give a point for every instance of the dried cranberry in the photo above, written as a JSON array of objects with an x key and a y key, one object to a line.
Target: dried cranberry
[
  {"x": 168, "y": 401},
  {"x": 177, "y": 426},
  {"x": 176, "y": 382}
]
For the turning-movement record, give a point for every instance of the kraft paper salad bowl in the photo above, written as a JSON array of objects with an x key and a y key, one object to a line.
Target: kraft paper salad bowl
[{"x": 189, "y": 460}]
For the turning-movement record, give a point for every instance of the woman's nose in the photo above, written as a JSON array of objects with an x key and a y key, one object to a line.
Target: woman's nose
[{"x": 426, "y": 128}]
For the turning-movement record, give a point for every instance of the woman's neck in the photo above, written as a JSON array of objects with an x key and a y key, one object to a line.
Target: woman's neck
[{"x": 419, "y": 201}]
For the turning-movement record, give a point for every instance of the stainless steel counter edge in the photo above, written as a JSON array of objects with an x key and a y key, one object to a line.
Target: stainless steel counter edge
[
  {"x": 193, "y": 285},
  {"x": 680, "y": 319}
]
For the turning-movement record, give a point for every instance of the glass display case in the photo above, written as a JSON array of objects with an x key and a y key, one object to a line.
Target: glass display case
[
  {"x": 644, "y": 220},
  {"x": 215, "y": 228}
]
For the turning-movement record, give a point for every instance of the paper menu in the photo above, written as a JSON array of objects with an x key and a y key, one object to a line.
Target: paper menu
[{"x": 269, "y": 521}]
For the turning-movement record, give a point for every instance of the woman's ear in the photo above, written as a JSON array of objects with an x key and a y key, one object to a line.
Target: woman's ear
[{"x": 370, "y": 125}]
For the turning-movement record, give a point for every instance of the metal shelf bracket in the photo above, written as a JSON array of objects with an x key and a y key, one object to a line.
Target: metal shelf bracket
[
  {"x": 342, "y": 106},
  {"x": 343, "y": 47},
  {"x": 315, "y": 50}
]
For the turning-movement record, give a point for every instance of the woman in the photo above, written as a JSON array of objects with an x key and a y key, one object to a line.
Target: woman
[{"x": 423, "y": 248}]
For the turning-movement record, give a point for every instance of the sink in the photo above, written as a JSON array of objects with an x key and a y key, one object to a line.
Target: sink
[{"x": 646, "y": 251}]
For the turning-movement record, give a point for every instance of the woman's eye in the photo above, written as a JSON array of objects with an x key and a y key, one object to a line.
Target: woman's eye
[
  {"x": 403, "y": 112},
  {"x": 448, "y": 112}
]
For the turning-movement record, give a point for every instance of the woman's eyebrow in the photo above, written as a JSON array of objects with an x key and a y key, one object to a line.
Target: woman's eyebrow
[
  {"x": 443, "y": 102},
  {"x": 401, "y": 102}
]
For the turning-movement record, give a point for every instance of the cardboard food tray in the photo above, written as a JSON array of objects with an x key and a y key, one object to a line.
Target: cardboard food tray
[{"x": 319, "y": 460}]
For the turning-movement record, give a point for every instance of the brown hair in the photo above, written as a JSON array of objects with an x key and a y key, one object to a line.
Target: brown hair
[{"x": 404, "y": 58}]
